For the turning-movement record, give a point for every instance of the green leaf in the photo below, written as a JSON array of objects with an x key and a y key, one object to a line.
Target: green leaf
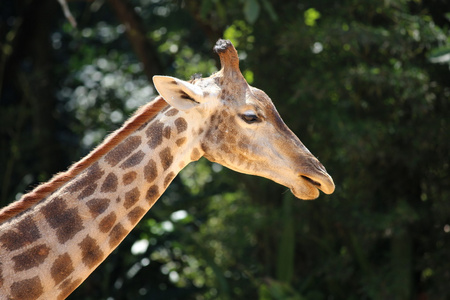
[
  {"x": 251, "y": 10},
  {"x": 269, "y": 9},
  {"x": 311, "y": 16},
  {"x": 205, "y": 8},
  {"x": 248, "y": 75},
  {"x": 440, "y": 55}
]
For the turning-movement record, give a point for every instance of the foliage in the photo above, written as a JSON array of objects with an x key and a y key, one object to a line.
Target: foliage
[{"x": 363, "y": 83}]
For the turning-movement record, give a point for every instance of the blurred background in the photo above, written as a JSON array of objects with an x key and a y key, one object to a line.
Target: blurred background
[{"x": 364, "y": 84}]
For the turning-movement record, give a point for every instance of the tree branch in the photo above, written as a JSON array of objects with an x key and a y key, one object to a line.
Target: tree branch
[
  {"x": 142, "y": 46},
  {"x": 67, "y": 13}
]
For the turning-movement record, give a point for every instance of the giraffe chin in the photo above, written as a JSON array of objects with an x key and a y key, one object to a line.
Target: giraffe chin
[{"x": 306, "y": 192}]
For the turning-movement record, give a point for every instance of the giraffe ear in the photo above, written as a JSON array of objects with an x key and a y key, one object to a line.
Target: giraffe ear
[{"x": 178, "y": 93}]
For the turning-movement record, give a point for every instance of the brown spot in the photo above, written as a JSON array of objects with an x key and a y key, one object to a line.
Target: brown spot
[
  {"x": 88, "y": 177},
  {"x": 31, "y": 258},
  {"x": 123, "y": 150},
  {"x": 110, "y": 183},
  {"x": 131, "y": 197},
  {"x": 118, "y": 200},
  {"x": 223, "y": 95},
  {"x": 61, "y": 268},
  {"x": 167, "y": 131},
  {"x": 91, "y": 255},
  {"x": 155, "y": 134},
  {"x": 107, "y": 222},
  {"x": 180, "y": 142},
  {"x": 224, "y": 114},
  {"x": 242, "y": 159},
  {"x": 24, "y": 233},
  {"x": 97, "y": 206},
  {"x": 219, "y": 136},
  {"x": 65, "y": 221},
  {"x": 67, "y": 287},
  {"x": 116, "y": 235},
  {"x": 204, "y": 147},
  {"x": 152, "y": 194},
  {"x": 230, "y": 139},
  {"x": 27, "y": 289},
  {"x": 136, "y": 214},
  {"x": 169, "y": 179},
  {"x": 150, "y": 171},
  {"x": 233, "y": 131},
  {"x": 89, "y": 190},
  {"x": 244, "y": 144},
  {"x": 129, "y": 177},
  {"x": 200, "y": 131},
  {"x": 171, "y": 112},
  {"x": 181, "y": 124},
  {"x": 225, "y": 148},
  {"x": 166, "y": 158},
  {"x": 133, "y": 160}
]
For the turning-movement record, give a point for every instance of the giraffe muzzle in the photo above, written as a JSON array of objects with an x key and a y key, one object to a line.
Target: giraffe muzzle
[
  {"x": 308, "y": 186},
  {"x": 323, "y": 182},
  {"x": 312, "y": 178}
]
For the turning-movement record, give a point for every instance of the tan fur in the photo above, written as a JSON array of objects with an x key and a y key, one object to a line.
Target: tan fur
[{"x": 142, "y": 115}]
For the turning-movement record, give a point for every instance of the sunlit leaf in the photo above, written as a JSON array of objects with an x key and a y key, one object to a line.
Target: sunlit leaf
[
  {"x": 440, "y": 55},
  {"x": 311, "y": 16}
]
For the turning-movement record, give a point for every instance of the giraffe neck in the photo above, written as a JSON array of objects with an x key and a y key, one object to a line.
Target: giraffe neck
[{"x": 49, "y": 249}]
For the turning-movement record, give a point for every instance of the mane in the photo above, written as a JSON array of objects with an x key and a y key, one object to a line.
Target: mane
[{"x": 139, "y": 118}]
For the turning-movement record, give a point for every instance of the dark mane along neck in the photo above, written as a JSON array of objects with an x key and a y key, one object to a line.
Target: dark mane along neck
[{"x": 142, "y": 115}]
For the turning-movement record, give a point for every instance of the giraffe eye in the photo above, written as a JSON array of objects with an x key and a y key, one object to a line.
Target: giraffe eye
[{"x": 250, "y": 117}]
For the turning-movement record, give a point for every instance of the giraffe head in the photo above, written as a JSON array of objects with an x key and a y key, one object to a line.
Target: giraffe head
[{"x": 242, "y": 129}]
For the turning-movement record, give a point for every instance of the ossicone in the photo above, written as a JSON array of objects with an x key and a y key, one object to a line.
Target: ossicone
[{"x": 229, "y": 59}]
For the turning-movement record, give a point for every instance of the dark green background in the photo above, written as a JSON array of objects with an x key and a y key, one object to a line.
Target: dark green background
[{"x": 364, "y": 84}]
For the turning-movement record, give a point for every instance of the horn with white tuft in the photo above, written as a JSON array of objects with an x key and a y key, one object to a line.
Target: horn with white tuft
[{"x": 229, "y": 59}]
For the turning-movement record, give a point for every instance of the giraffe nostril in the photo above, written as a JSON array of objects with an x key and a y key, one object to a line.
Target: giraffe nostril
[{"x": 310, "y": 180}]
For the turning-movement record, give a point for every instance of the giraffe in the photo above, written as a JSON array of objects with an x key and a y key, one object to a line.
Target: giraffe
[{"x": 57, "y": 234}]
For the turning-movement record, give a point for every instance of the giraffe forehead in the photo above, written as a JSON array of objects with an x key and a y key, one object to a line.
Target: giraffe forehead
[
  {"x": 217, "y": 86},
  {"x": 236, "y": 93}
]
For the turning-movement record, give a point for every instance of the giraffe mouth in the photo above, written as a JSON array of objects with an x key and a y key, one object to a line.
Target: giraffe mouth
[
  {"x": 315, "y": 183},
  {"x": 321, "y": 182},
  {"x": 309, "y": 188}
]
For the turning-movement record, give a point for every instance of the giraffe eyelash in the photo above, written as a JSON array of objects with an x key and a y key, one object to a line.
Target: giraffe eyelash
[{"x": 250, "y": 118}]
